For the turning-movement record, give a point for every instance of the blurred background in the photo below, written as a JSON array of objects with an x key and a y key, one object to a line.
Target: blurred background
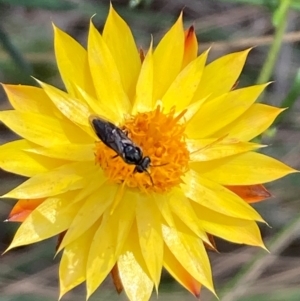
[{"x": 240, "y": 273}]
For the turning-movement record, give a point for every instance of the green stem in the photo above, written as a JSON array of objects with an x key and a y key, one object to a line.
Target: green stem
[
  {"x": 271, "y": 60},
  {"x": 14, "y": 53}
]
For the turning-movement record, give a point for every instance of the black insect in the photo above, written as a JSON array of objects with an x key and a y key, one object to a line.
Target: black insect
[{"x": 118, "y": 140}]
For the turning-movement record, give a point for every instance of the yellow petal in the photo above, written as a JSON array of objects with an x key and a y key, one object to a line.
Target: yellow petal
[
  {"x": 100, "y": 108},
  {"x": 108, "y": 242},
  {"x": 72, "y": 267},
  {"x": 73, "y": 152},
  {"x": 232, "y": 229},
  {"x": 41, "y": 129},
  {"x": 252, "y": 123},
  {"x": 72, "y": 63},
  {"x": 15, "y": 159},
  {"x": 144, "y": 87},
  {"x": 92, "y": 181},
  {"x": 162, "y": 202},
  {"x": 118, "y": 37},
  {"x": 183, "y": 88},
  {"x": 180, "y": 274},
  {"x": 181, "y": 206},
  {"x": 220, "y": 76},
  {"x": 91, "y": 211},
  {"x": 190, "y": 46},
  {"x": 65, "y": 178},
  {"x": 190, "y": 252},
  {"x": 102, "y": 257},
  {"x": 105, "y": 74},
  {"x": 133, "y": 272},
  {"x": 148, "y": 220},
  {"x": 193, "y": 108},
  {"x": 245, "y": 169},
  {"x": 70, "y": 107},
  {"x": 168, "y": 58},
  {"x": 216, "y": 197},
  {"x": 211, "y": 149},
  {"x": 125, "y": 218},
  {"x": 219, "y": 112},
  {"x": 137, "y": 284},
  {"x": 50, "y": 218},
  {"x": 30, "y": 99}
]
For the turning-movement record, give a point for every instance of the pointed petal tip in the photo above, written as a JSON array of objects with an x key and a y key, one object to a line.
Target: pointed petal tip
[
  {"x": 190, "y": 30},
  {"x": 114, "y": 15},
  {"x": 156, "y": 288},
  {"x": 111, "y": 9},
  {"x": 55, "y": 28},
  {"x": 266, "y": 249},
  {"x": 179, "y": 20},
  {"x": 61, "y": 294},
  {"x": 59, "y": 249},
  {"x": 195, "y": 290},
  {"x": 16, "y": 218},
  {"x": 208, "y": 243},
  {"x": 116, "y": 279},
  {"x": 212, "y": 289},
  {"x": 6, "y": 195},
  {"x": 151, "y": 43},
  {"x": 206, "y": 52},
  {"x": 282, "y": 109},
  {"x": 7, "y": 88},
  {"x": 263, "y": 246},
  {"x": 261, "y": 220},
  {"x": 89, "y": 293},
  {"x": 244, "y": 52},
  {"x": 91, "y": 22},
  {"x": 37, "y": 80},
  {"x": 8, "y": 249},
  {"x": 293, "y": 170},
  {"x": 58, "y": 31},
  {"x": 180, "y": 15},
  {"x": 289, "y": 170}
]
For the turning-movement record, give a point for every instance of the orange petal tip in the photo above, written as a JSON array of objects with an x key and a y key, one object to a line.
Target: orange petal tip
[
  {"x": 251, "y": 193},
  {"x": 116, "y": 279},
  {"x": 22, "y": 209},
  {"x": 190, "y": 32}
]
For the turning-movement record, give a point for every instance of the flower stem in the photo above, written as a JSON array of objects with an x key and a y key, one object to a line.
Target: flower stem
[
  {"x": 14, "y": 53},
  {"x": 280, "y": 26}
]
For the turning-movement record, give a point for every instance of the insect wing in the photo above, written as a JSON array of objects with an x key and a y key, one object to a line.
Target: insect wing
[{"x": 108, "y": 133}]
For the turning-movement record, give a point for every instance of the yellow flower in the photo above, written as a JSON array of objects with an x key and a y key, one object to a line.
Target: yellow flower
[{"x": 188, "y": 121}]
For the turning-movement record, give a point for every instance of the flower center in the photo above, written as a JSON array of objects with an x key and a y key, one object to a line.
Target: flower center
[{"x": 160, "y": 137}]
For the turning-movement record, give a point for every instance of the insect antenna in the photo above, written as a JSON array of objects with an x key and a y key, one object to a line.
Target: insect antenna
[{"x": 159, "y": 165}]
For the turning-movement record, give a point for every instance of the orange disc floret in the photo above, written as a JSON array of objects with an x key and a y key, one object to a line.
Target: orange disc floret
[{"x": 161, "y": 137}]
